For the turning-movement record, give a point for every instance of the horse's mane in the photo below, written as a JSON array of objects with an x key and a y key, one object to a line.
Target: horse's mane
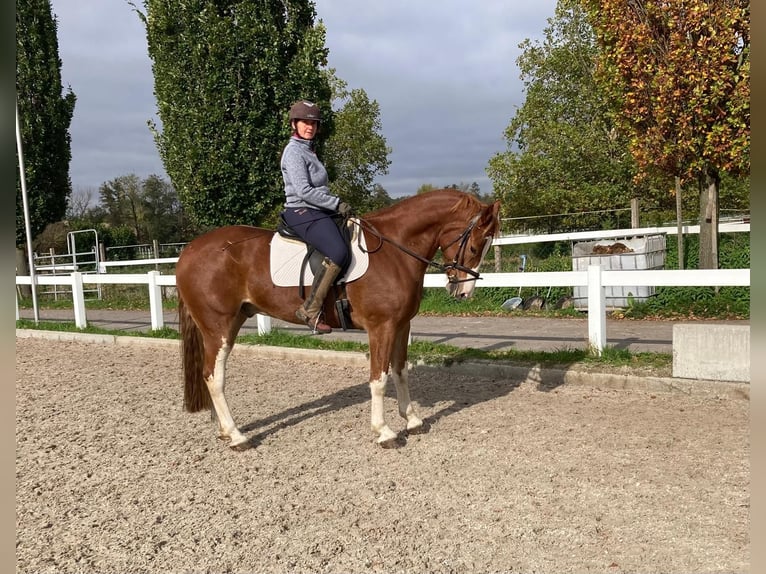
[{"x": 462, "y": 200}]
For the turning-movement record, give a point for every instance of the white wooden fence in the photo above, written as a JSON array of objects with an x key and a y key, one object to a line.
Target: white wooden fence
[{"x": 594, "y": 279}]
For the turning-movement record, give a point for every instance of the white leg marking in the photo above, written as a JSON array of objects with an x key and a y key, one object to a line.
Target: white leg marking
[
  {"x": 378, "y": 419},
  {"x": 406, "y": 410},
  {"x": 215, "y": 385}
]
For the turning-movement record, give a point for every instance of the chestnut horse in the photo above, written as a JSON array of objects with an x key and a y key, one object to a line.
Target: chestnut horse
[{"x": 223, "y": 278}]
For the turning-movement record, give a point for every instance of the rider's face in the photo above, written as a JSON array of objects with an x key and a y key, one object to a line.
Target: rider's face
[{"x": 306, "y": 129}]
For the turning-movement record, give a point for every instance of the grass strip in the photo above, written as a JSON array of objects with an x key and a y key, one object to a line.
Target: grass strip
[{"x": 419, "y": 351}]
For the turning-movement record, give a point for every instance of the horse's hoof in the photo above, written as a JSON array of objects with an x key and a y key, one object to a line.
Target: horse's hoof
[
  {"x": 393, "y": 442},
  {"x": 240, "y": 447}
]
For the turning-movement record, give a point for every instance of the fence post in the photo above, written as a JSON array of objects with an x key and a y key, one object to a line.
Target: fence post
[
  {"x": 78, "y": 299},
  {"x": 264, "y": 324},
  {"x": 155, "y": 301},
  {"x": 596, "y": 310}
]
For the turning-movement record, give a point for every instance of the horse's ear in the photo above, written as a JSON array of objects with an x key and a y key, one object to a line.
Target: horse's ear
[{"x": 490, "y": 217}]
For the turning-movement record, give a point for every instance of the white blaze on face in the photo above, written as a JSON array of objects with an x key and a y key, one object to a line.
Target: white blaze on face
[{"x": 464, "y": 289}]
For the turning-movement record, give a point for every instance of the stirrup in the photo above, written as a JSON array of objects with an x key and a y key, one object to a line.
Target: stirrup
[{"x": 313, "y": 323}]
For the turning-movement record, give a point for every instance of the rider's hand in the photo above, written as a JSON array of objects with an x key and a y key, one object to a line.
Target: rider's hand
[{"x": 344, "y": 209}]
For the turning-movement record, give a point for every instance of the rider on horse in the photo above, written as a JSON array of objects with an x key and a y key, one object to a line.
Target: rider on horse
[{"x": 310, "y": 207}]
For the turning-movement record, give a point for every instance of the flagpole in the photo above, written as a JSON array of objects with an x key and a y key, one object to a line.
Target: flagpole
[{"x": 27, "y": 224}]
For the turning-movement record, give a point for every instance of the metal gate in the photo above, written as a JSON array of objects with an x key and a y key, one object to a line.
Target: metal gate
[{"x": 82, "y": 255}]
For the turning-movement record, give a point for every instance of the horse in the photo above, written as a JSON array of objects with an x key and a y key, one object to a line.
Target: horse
[{"x": 223, "y": 278}]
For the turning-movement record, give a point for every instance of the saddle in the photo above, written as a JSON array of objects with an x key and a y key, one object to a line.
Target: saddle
[
  {"x": 293, "y": 262},
  {"x": 313, "y": 257}
]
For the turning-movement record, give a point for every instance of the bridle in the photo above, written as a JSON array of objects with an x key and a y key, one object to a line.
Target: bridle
[{"x": 447, "y": 268}]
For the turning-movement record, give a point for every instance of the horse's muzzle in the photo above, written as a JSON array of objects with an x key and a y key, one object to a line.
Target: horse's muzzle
[{"x": 460, "y": 288}]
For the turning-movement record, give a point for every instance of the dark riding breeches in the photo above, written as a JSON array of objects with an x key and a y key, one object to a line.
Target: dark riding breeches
[{"x": 318, "y": 229}]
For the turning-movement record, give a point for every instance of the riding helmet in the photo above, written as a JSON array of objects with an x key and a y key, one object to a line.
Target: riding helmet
[{"x": 305, "y": 110}]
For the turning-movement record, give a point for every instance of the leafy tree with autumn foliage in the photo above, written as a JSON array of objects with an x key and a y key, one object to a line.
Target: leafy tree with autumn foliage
[{"x": 679, "y": 71}]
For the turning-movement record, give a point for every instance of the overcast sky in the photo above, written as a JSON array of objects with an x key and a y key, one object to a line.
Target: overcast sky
[{"x": 443, "y": 71}]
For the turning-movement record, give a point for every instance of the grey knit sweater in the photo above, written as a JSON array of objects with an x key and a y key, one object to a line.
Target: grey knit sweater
[{"x": 305, "y": 177}]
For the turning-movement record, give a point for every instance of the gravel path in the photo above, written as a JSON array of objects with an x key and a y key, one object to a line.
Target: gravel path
[{"x": 112, "y": 476}]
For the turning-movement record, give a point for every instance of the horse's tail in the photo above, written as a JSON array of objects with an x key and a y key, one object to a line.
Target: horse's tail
[{"x": 196, "y": 394}]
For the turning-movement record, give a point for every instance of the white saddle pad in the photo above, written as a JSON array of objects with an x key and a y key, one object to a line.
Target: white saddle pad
[{"x": 287, "y": 256}]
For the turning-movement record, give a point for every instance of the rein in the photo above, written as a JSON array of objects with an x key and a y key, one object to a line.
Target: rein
[
  {"x": 455, "y": 265},
  {"x": 445, "y": 268}
]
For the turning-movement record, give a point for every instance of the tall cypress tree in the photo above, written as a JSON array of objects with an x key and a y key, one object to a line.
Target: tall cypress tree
[
  {"x": 45, "y": 114},
  {"x": 225, "y": 74}
]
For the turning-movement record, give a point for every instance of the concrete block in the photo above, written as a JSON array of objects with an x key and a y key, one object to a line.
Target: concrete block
[{"x": 716, "y": 352}]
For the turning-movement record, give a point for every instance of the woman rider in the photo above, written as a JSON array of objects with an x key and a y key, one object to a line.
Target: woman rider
[{"x": 309, "y": 207}]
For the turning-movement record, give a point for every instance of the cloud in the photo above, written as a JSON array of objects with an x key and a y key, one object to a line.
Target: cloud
[
  {"x": 445, "y": 77},
  {"x": 444, "y": 74}
]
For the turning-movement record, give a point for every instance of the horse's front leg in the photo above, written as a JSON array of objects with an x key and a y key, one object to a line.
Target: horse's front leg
[
  {"x": 401, "y": 380},
  {"x": 215, "y": 384},
  {"x": 381, "y": 343}
]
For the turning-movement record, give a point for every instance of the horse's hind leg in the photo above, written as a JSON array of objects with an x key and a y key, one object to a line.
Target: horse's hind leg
[
  {"x": 400, "y": 376},
  {"x": 215, "y": 384}
]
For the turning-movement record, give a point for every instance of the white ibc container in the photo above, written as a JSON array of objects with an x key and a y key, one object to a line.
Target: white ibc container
[{"x": 634, "y": 253}]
